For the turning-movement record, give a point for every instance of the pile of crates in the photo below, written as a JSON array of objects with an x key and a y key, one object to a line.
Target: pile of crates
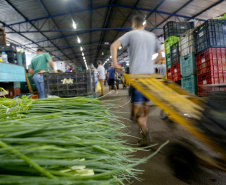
[
  {"x": 172, "y": 31},
  {"x": 69, "y": 84},
  {"x": 199, "y": 57},
  {"x": 13, "y": 89},
  {"x": 11, "y": 52},
  {"x": 210, "y": 49},
  {"x": 21, "y": 58},
  {"x": 187, "y": 62}
]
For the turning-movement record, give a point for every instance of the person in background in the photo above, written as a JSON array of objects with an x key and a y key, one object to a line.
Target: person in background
[
  {"x": 111, "y": 78},
  {"x": 69, "y": 69},
  {"x": 101, "y": 76},
  {"x": 106, "y": 78},
  {"x": 74, "y": 70},
  {"x": 162, "y": 68},
  {"x": 95, "y": 75},
  {"x": 39, "y": 65},
  {"x": 141, "y": 46},
  {"x": 59, "y": 71}
]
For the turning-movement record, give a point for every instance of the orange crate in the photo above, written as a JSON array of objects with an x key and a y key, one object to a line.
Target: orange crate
[{"x": 34, "y": 96}]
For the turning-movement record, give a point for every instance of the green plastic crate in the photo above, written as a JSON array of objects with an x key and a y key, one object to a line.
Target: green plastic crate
[
  {"x": 168, "y": 61},
  {"x": 169, "y": 42},
  {"x": 189, "y": 84}
]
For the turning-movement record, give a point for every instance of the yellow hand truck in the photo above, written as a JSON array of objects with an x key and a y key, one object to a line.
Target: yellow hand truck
[{"x": 182, "y": 108}]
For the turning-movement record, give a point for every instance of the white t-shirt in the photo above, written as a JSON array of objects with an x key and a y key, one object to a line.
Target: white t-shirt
[
  {"x": 95, "y": 73},
  {"x": 141, "y": 45},
  {"x": 101, "y": 69}
]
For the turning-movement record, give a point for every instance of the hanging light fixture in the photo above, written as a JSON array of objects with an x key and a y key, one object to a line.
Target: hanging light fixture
[
  {"x": 74, "y": 25},
  {"x": 79, "y": 41}
]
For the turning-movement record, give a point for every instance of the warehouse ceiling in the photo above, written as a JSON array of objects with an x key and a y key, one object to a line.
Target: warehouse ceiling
[{"x": 48, "y": 24}]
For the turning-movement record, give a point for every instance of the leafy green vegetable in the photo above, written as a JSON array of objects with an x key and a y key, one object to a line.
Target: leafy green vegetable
[{"x": 63, "y": 141}]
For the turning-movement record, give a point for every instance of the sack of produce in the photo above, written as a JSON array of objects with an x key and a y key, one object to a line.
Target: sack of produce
[{"x": 98, "y": 88}]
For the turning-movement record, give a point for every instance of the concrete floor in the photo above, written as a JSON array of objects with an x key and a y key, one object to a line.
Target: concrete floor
[{"x": 156, "y": 171}]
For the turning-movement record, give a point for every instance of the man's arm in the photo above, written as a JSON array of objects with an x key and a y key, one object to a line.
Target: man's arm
[
  {"x": 31, "y": 71},
  {"x": 30, "y": 68},
  {"x": 114, "y": 48},
  {"x": 98, "y": 73},
  {"x": 51, "y": 64},
  {"x": 159, "y": 57}
]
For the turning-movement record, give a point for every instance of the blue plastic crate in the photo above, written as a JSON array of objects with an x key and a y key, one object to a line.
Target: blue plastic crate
[
  {"x": 188, "y": 65},
  {"x": 189, "y": 84}
]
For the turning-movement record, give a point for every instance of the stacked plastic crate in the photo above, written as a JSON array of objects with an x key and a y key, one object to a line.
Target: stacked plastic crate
[
  {"x": 69, "y": 84},
  {"x": 188, "y": 62},
  {"x": 175, "y": 62},
  {"x": 210, "y": 49},
  {"x": 11, "y": 52},
  {"x": 172, "y": 31}
]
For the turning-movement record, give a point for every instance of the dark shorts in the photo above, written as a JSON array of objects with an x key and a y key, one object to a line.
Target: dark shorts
[
  {"x": 111, "y": 82},
  {"x": 137, "y": 96}
]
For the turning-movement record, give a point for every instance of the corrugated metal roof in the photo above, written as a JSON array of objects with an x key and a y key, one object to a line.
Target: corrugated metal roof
[{"x": 48, "y": 23}]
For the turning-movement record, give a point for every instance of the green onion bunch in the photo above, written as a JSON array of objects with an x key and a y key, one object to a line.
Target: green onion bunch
[
  {"x": 11, "y": 108},
  {"x": 57, "y": 141}
]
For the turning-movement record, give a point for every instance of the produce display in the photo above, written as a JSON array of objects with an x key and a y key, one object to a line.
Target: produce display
[{"x": 63, "y": 141}]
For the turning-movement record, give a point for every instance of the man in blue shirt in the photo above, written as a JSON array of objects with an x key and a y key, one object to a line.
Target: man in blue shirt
[{"x": 111, "y": 78}]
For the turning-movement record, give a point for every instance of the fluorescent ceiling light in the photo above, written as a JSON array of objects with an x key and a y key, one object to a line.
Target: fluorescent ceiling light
[
  {"x": 82, "y": 54},
  {"x": 102, "y": 53},
  {"x": 74, "y": 25},
  {"x": 79, "y": 41},
  {"x": 120, "y": 47},
  {"x": 145, "y": 22},
  {"x": 81, "y": 48},
  {"x": 107, "y": 59},
  {"x": 110, "y": 56}
]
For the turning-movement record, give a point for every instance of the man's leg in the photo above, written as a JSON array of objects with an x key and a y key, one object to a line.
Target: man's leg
[
  {"x": 35, "y": 78},
  {"x": 146, "y": 111},
  {"x": 102, "y": 86},
  {"x": 109, "y": 84},
  {"x": 141, "y": 111},
  {"x": 140, "y": 117},
  {"x": 42, "y": 90},
  {"x": 115, "y": 88}
]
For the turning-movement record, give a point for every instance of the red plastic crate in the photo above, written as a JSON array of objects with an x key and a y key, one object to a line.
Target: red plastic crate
[
  {"x": 212, "y": 59},
  {"x": 169, "y": 74},
  {"x": 222, "y": 67},
  {"x": 176, "y": 71},
  {"x": 211, "y": 53},
  {"x": 208, "y": 78},
  {"x": 13, "y": 92}
]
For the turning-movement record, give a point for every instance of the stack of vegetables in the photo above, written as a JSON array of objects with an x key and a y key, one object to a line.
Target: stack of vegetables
[{"x": 63, "y": 141}]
